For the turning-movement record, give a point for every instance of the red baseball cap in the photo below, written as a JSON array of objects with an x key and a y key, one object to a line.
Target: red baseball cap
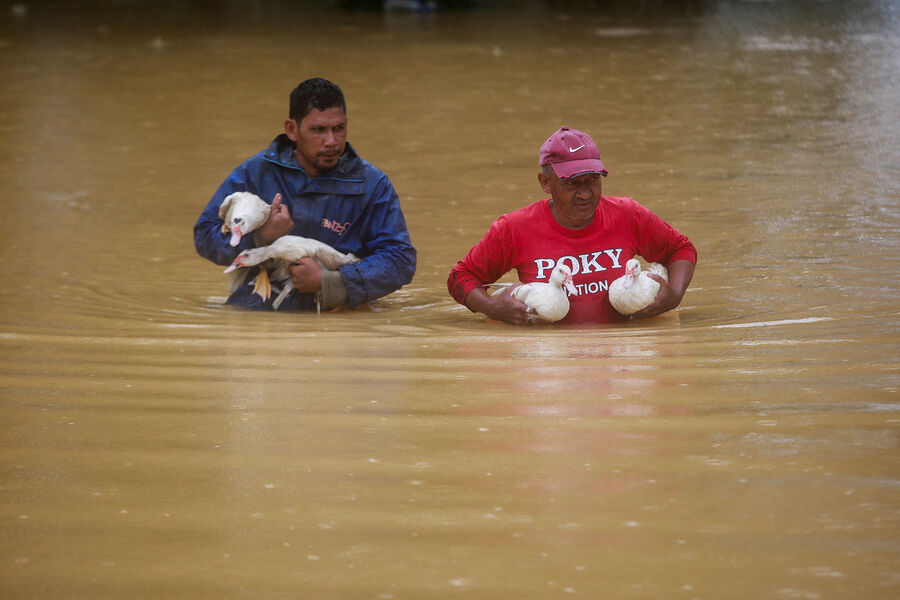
[{"x": 572, "y": 153}]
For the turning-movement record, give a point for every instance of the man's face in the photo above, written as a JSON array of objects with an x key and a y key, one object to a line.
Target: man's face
[
  {"x": 320, "y": 137},
  {"x": 572, "y": 201}
]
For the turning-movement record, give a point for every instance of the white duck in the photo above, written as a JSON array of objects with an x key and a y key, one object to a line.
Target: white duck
[
  {"x": 278, "y": 256},
  {"x": 546, "y": 301},
  {"x": 635, "y": 289},
  {"x": 242, "y": 213}
]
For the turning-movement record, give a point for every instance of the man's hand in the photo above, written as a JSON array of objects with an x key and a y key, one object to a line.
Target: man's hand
[
  {"x": 279, "y": 222},
  {"x": 306, "y": 275},
  {"x": 502, "y": 307}
]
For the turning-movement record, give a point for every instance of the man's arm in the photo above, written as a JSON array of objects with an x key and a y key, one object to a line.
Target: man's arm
[
  {"x": 209, "y": 241},
  {"x": 484, "y": 263}
]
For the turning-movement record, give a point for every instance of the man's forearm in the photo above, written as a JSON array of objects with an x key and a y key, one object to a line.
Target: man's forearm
[{"x": 680, "y": 274}]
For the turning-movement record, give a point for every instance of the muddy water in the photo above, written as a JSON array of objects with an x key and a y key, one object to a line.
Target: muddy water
[{"x": 158, "y": 444}]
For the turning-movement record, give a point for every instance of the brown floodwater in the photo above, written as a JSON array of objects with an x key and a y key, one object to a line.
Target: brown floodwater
[{"x": 158, "y": 444}]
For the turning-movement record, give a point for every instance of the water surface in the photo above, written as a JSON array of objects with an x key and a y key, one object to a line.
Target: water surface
[{"x": 156, "y": 443}]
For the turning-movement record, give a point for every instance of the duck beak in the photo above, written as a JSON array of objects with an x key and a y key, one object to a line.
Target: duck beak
[
  {"x": 235, "y": 236},
  {"x": 233, "y": 267},
  {"x": 629, "y": 279},
  {"x": 570, "y": 286}
]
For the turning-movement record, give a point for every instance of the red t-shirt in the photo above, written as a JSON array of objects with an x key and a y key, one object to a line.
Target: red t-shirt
[{"x": 531, "y": 241}]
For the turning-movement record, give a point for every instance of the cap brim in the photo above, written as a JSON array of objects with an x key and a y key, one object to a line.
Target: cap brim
[{"x": 574, "y": 168}]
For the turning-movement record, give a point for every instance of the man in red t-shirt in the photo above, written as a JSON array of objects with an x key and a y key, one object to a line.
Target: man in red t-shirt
[{"x": 593, "y": 235}]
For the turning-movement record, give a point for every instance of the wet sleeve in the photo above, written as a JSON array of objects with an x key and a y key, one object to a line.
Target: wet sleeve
[
  {"x": 484, "y": 263},
  {"x": 334, "y": 292}
]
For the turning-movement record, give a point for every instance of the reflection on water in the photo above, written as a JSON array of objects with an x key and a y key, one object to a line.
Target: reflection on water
[{"x": 157, "y": 443}]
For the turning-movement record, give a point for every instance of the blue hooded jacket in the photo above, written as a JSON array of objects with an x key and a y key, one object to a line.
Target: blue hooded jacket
[{"x": 352, "y": 208}]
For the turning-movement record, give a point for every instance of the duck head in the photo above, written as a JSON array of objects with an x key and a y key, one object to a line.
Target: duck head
[
  {"x": 242, "y": 212},
  {"x": 240, "y": 261},
  {"x": 562, "y": 276},
  {"x": 632, "y": 270}
]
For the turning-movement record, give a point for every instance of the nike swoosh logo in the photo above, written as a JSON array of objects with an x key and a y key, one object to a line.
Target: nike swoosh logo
[{"x": 576, "y": 149}]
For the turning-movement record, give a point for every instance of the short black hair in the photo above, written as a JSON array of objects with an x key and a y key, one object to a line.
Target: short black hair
[{"x": 315, "y": 93}]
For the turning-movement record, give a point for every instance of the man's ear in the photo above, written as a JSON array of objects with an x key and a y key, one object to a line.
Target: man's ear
[
  {"x": 545, "y": 182},
  {"x": 292, "y": 129}
]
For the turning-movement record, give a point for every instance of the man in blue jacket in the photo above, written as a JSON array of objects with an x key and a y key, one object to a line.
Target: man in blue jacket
[{"x": 320, "y": 188}]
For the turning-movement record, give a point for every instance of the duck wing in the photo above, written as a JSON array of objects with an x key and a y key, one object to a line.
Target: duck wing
[
  {"x": 294, "y": 247},
  {"x": 658, "y": 269}
]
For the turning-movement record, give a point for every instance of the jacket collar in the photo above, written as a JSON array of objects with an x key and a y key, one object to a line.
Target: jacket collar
[{"x": 349, "y": 167}]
